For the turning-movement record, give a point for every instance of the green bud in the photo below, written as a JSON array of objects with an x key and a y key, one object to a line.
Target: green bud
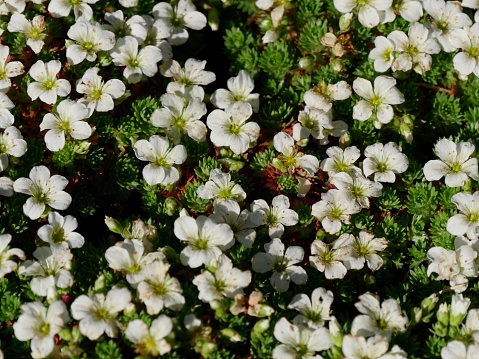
[
  {"x": 265, "y": 311},
  {"x": 76, "y": 335},
  {"x": 65, "y": 334},
  {"x": 261, "y": 326},
  {"x": 170, "y": 206},
  {"x": 232, "y": 335},
  {"x": 345, "y": 22},
  {"x": 321, "y": 234},
  {"x": 170, "y": 254},
  {"x": 336, "y": 332},
  {"x": 337, "y": 65},
  {"x": 345, "y": 140},
  {"x": 81, "y": 147},
  {"x": 99, "y": 284},
  {"x": 417, "y": 314},
  {"x": 442, "y": 314},
  {"x": 213, "y": 19},
  {"x": 113, "y": 225},
  {"x": 232, "y": 165},
  {"x": 207, "y": 349},
  {"x": 429, "y": 303},
  {"x": 306, "y": 62},
  {"x": 130, "y": 310}
]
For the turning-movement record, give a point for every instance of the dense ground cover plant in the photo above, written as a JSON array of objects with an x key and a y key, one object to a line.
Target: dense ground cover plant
[{"x": 239, "y": 179}]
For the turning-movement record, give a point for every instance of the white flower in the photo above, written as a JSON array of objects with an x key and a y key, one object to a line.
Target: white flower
[
  {"x": 11, "y": 144},
  {"x": 230, "y": 129},
  {"x": 446, "y": 17},
  {"x": 299, "y": 342},
  {"x": 453, "y": 265},
  {"x": 312, "y": 122},
  {"x": 372, "y": 348},
  {"x": 381, "y": 319},
  {"x": 128, "y": 257},
  {"x": 89, "y": 38},
  {"x": 281, "y": 263},
  {"x": 224, "y": 282},
  {"x": 6, "y": 187},
  {"x": 158, "y": 289},
  {"x": 414, "y": 49},
  {"x": 334, "y": 208},
  {"x": 187, "y": 79},
  {"x": 384, "y": 161},
  {"x": 67, "y": 121},
  {"x": 328, "y": 258},
  {"x": 59, "y": 231},
  {"x": 315, "y": 311},
  {"x": 178, "y": 119},
  {"x": 364, "y": 248},
  {"x": 239, "y": 90},
  {"x": 377, "y": 100},
  {"x": 40, "y": 325},
  {"x": 8, "y": 69},
  {"x": 156, "y": 35},
  {"x": 34, "y": 30},
  {"x": 275, "y": 217},
  {"x": 157, "y": 151},
  {"x": 97, "y": 314},
  {"x": 357, "y": 187},
  {"x": 410, "y": 10},
  {"x": 12, "y": 6},
  {"x": 45, "y": 190},
  {"x": 99, "y": 95},
  {"x": 291, "y": 158},
  {"x": 382, "y": 54},
  {"x": 81, "y": 9},
  {"x": 468, "y": 220},
  {"x": 137, "y": 62},
  {"x": 340, "y": 160},
  {"x": 135, "y": 26},
  {"x": 467, "y": 39},
  {"x": 322, "y": 97},
  {"x": 150, "y": 341},
  {"x": 6, "y": 264},
  {"x": 46, "y": 85},
  {"x": 220, "y": 188},
  {"x": 368, "y": 10},
  {"x": 456, "y": 164},
  {"x": 6, "y": 118},
  {"x": 50, "y": 271},
  {"x": 175, "y": 19},
  {"x": 205, "y": 239},
  {"x": 228, "y": 211},
  {"x": 459, "y": 350}
]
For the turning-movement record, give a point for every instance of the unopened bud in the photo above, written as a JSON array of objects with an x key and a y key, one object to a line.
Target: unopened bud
[{"x": 345, "y": 21}]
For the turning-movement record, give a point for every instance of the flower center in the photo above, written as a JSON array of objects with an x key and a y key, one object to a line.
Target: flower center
[
  {"x": 45, "y": 329},
  {"x": 335, "y": 213},
  {"x": 88, "y": 46},
  {"x": 387, "y": 54},
  {"x": 376, "y": 101},
  {"x": 58, "y": 234},
  {"x": 442, "y": 25},
  {"x": 96, "y": 94},
  {"x": 472, "y": 217},
  {"x": 280, "y": 265},
  {"x": 133, "y": 63},
  {"x": 382, "y": 167},
  {"x": 50, "y": 84},
  {"x": 235, "y": 129},
  {"x": 202, "y": 244},
  {"x": 456, "y": 167}
]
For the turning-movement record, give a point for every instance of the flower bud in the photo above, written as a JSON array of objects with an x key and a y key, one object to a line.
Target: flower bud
[
  {"x": 345, "y": 140},
  {"x": 305, "y": 62},
  {"x": 345, "y": 21},
  {"x": 213, "y": 19},
  {"x": 113, "y": 225},
  {"x": 99, "y": 284},
  {"x": 335, "y": 332},
  {"x": 261, "y": 326},
  {"x": 442, "y": 314},
  {"x": 459, "y": 307},
  {"x": 130, "y": 310},
  {"x": 232, "y": 335},
  {"x": 429, "y": 303},
  {"x": 170, "y": 206}
]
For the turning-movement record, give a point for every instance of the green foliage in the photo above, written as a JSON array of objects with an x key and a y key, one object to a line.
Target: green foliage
[
  {"x": 262, "y": 160},
  {"x": 422, "y": 199},
  {"x": 108, "y": 350},
  {"x": 126, "y": 172},
  {"x": 310, "y": 38},
  {"x": 205, "y": 166},
  {"x": 447, "y": 110},
  {"x": 439, "y": 235},
  {"x": 389, "y": 200},
  {"x": 277, "y": 59},
  {"x": 191, "y": 200}
]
